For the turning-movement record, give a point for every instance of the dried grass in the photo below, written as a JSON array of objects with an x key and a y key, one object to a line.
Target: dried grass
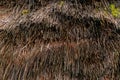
[{"x": 68, "y": 43}]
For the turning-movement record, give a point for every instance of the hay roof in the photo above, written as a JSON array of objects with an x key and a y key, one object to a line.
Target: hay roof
[{"x": 69, "y": 41}]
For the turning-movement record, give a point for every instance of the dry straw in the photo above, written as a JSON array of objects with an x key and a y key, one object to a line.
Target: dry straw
[{"x": 60, "y": 41}]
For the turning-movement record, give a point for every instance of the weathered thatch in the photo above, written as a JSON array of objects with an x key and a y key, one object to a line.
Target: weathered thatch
[
  {"x": 60, "y": 42},
  {"x": 32, "y": 3}
]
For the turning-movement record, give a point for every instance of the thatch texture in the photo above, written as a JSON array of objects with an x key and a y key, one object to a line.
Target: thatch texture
[{"x": 60, "y": 41}]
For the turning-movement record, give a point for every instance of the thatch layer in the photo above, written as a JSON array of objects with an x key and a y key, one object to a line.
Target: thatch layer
[
  {"x": 60, "y": 42},
  {"x": 33, "y": 3},
  {"x": 86, "y": 50}
]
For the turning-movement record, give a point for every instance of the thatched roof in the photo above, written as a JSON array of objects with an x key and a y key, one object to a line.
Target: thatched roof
[{"x": 60, "y": 41}]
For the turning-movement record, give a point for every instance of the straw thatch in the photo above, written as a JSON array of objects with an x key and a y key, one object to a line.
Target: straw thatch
[{"x": 60, "y": 41}]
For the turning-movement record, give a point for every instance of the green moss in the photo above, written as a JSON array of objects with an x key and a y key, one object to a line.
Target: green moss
[
  {"x": 115, "y": 11},
  {"x": 25, "y": 11},
  {"x": 61, "y": 3}
]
